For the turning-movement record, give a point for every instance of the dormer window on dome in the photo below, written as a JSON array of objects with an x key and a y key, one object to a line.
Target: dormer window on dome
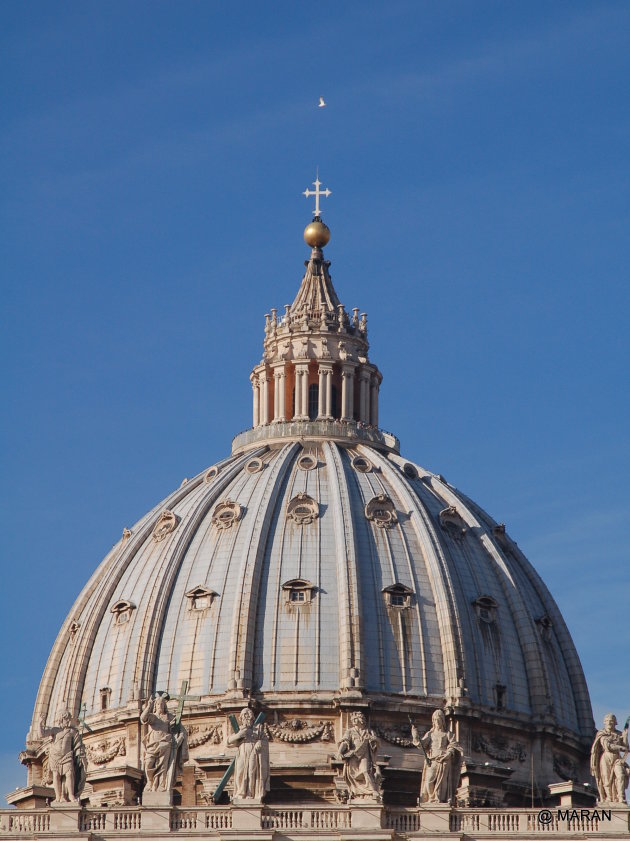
[
  {"x": 398, "y": 595},
  {"x": 298, "y": 591},
  {"x": 486, "y": 609},
  {"x": 200, "y": 598},
  {"x": 122, "y": 611}
]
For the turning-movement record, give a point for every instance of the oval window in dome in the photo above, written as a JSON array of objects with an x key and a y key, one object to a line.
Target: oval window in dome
[
  {"x": 254, "y": 465},
  {"x": 361, "y": 464},
  {"x": 307, "y": 462},
  {"x": 410, "y": 470},
  {"x": 211, "y": 474}
]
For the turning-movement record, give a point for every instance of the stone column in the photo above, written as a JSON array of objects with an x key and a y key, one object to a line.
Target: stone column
[
  {"x": 364, "y": 385},
  {"x": 374, "y": 400},
  {"x": 329, "y": 378},
  {"x": 281, "y": 410},
  {"x": 305, "y": 393},
  {"x": 297, "y": 391},
  {"x": 347, "y": 392},
  {"x": 321, "y": 403},
  {"x": 256, "y": 400},
  {"x": 264, "y": 401},
  {"x": 301, "y": 392}
]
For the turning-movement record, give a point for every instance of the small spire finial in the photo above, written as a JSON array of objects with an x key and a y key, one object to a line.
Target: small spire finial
[{"x": 317, "y": 193}]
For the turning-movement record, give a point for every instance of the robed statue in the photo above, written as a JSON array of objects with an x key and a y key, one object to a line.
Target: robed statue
[
  {"x": 66, "y": 759},
  {"x": 442, "y": 763},
  {"x": 251, "y": 768},
  {"x": 608, "y": 764},
  {"x": 357, "y": 751},
  {"x": 165, "y": 745}
]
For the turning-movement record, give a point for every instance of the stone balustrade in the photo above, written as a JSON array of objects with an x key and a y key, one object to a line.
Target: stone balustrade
[
  {"x": 329, "y": 430},
  {"x": 289, "y": 822}
]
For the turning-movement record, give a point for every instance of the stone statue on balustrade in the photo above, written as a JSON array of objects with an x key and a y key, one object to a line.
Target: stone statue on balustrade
[
  {"x": 66, "y": 759},
  {"x": 165, "y": 745},
  {"x": 608, "y": 764},
  {"x": 442, "y": 761},
  {"x": 251, "y": 767},
  {"x": 357, "y": 750}
]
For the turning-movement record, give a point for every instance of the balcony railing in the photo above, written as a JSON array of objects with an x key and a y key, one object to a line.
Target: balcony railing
[{"x": 330, "y": 429}]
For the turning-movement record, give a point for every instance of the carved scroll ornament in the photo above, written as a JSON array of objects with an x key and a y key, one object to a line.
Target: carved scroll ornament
[
  {"x": 166, "y": 523},
  {"x": 381, "y": 511},
  {"x": 303, "y": 509},
  {"x": 226, "y": 514}
]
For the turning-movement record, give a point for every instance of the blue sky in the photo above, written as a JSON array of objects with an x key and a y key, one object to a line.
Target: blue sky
[{"x": 153, "y": 159}]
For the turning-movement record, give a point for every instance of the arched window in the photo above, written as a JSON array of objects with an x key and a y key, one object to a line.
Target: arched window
[{"x": 313, "y": 401}]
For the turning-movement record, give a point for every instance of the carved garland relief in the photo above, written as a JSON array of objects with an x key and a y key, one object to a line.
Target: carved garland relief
[
  {"x": 103, "y": 752},
  {"x": 297, "y": 731}
]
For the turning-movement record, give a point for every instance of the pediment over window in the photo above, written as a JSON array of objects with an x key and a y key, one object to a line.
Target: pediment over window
[
  {"x": 398, "y": 595},
  {"x": 298, "y": 591},
  {"x": 200, "y": 598}
]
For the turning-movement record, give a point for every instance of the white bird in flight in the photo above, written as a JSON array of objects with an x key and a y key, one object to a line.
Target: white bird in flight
[{"x": 322, "y": 104}]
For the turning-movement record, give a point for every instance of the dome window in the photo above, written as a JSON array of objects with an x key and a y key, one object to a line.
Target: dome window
[
  {"x": 303, "y": 509},
  {"x": 307, "y": 462},
  {"x": 105, "y": 695},
  {"x": 74, "y": 627},
  {"x": 166, "y": 523},
  {"x": 254, "y": 465},
  {"x": 226, "y": 514},
  {"x": 398, "y": 595},
  {"x": 298, "y": 591},
  {"x": 211, "y": 474},
  {"x": 410, "y": 471},
  {"x": 361, "y": 464},
  {"x": 453, "y": 522},
  {"x": 381, "y": 511},
  {"x": 122, "y": 611},
  {"x": 486, "y": 609},
  {"x": 200, "y": 598}
]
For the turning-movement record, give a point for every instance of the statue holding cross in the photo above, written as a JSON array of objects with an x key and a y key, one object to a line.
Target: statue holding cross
[{"x": 165, "y": 743}]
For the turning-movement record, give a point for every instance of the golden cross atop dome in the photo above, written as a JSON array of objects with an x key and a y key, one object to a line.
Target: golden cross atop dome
[{"x": 317, "y": 193}]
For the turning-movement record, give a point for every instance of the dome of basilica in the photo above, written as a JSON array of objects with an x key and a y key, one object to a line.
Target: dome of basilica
[{"x": 312, "y": 573}]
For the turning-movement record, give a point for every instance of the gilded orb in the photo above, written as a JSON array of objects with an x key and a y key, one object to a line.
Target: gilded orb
[{"x": 316, "y": 234}]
